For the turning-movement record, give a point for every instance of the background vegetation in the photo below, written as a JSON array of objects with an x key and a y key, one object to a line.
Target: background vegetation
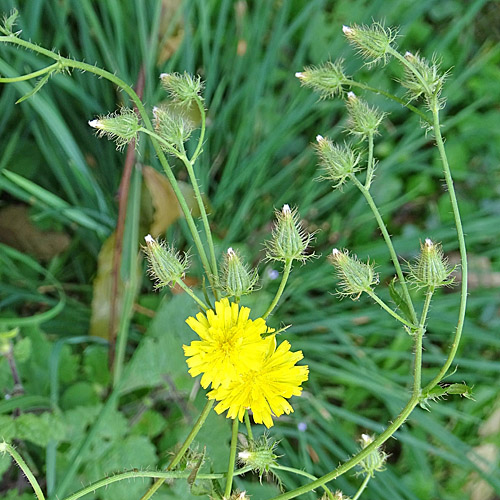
[{"x": 61, "y": 188}]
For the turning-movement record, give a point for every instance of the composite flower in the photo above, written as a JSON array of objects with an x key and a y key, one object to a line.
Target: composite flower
[
  {"x": 230, "y": 343},
  {"x": 264, "y": 388}
]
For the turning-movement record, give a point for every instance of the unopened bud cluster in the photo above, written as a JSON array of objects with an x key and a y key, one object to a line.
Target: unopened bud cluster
[
  {"x": 375, "y": 461},
  {"x": 326, "y": 79},
  {"x": 422, "y": 78},
  {"x": 237, "y": 279},
  {"x": 259, "y": 455},
  {"x": 289, "y": 239},
  {"x": 166, "y": 265},
  {"x": 121, "y": 126},
  {"x": 338, "y": 161},
  {"x": 183, "y": 89},
  {"x": 172, "y": 125},
  {"x": 372, "y": 42},
  {"x": 431, "y": 268},
  {"x": 355, "y": 276},
  {"x": 364, "y": 120}
]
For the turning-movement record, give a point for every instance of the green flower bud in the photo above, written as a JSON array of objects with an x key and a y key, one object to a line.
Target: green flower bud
[
  {"x": 166, "y": 266},
  {"x": 375, "y": 461},
  {"x": 373, "y": 42},
  {"x": 236, "y": 278},
  {"x": 326, "y": 79},
  {"x": 363, "y": 119},
  {"x": 289, "y": 239},
  {"x": 259, "y": 455},
  {"x": 121, "y": 126},
  {"x": 355, "y": 277},
  {"x": 172, "y": 126},
  {"x": 183, "y": 89},
  {"x": 425, "y": 79},
  {"x": 338, "y": 162},
  {"x": 431, "y": 268}
]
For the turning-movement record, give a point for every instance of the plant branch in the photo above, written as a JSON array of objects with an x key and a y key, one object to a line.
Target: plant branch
[
  {"x": 286, "y": 273},
  {"x": 362, "y": 487},
  {"x": 232, "y": 459}
]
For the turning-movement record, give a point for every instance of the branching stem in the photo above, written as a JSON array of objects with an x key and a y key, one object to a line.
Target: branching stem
[{"x": 286, "y": 273}]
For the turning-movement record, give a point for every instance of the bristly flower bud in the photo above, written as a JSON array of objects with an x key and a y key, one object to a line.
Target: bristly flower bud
[
  {"x": 172, "y": 126},
  {"x": 326, "y": 79},
  {"x": 425, "y": 79},
  {"x": 238, "y": 495},
  {"x": 289, "y": 239},
  {"x": 121, "y": 126},
  {"x": 259, "y": 455},
  {"x": 431, "y": 268},
  {"x": 375, "y": 461},
  {"x": 355, "y": 277},
  {"x": 373, "y": 42},
  {"x": 166, "y": 266},
  {"x": 338, "y": 162},
  {"x": 237, "y": 279},
  {"x": 364, "y": 120},
  {"x": 183, "y": 89}
]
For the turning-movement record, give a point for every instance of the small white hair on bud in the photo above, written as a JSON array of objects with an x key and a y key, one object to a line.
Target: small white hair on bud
[
  {"x": 346, "y": 30},
  {"x": 428, "y": 242},
  {"x": 408, "y": 54},
  {"x": 299, "y": 75},
  {"x": 335, "y": 252},
  {"x": 319, "y": 138},
  {"x": 149, "y": 239},
  {"x": 164, "y": 75},
  {"x": 286, "y": 209},
  {"x": 231, "y": 252},
  {"x": 155, "y": 110},
  {"x": 95, "y": 123},
  {"x": 351, "y": 96}
]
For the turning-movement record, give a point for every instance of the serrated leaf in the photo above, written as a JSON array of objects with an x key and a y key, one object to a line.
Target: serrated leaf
[
  {"x": 40, "y": 429},
  {"x": 399, "y": 300},
  {"x": 36, "y": 88}
]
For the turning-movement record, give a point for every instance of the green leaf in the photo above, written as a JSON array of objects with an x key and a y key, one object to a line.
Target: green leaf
[
  {"x": 40, "y": 429},
  {"x": 22, "y": 350},
  {"x": 399, "y": 300},
  {"x": 36, "y": 88}
]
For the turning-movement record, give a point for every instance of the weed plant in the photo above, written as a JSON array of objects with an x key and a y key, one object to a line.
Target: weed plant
[{"x": 359, "y": 359}]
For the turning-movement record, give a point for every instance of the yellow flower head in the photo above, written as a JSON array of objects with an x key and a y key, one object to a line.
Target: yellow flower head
[
  {"x": 230, "y": 343},
  {"x": 265, "y": 387}
]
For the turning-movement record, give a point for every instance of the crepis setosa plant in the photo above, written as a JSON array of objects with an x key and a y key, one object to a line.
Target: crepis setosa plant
[{"x": 238, "y": 358}]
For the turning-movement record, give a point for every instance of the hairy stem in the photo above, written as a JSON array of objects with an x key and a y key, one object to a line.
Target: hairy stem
[
  {"x": 248, "y": 425},
  {"x": 232, "y": 459},
  {"x": 364, "y": 484},
  {"x": 461, "y": 243},
  {"x": 300, "y": 472},
  {"x": 7, "y": 448},
  {"x": 286, "y": 273},
  {"x": 417, "y": 371},
  {"x": 178, "y": 456},
  {"x": 384, "y": 306},
  {"x": 370, "y": 167},
  {"x": 390, "y": 246}
]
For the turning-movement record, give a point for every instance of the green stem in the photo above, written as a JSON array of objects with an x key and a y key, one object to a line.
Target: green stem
[
  {"x": 151, "y": 474},
  {"x": 346, "y": 466},
  {"x": 183, "y": 204},
  {"x": 7, "y": 448},
  {"x": 412, "y": 68},
  {"x": 417, "y": 372},
  {"x": 394, "y": 314},
  {"x": 302, "y": 473},
  {"x": 403, "y": 102},
  {"x": 232, "y": 459},
  {"x": 191, "y": 294},
  {"x": 461, "y": 242},
  {"x": 70, "y": 63},
  {"x": 192, "y": 177},
  {"x": 370, "y": 167},
  {"x": 362, "y": 487},
  {"x": 390, "y": 246},
  {"x": 286, "y": 272},
  {"x": 199, "y": 147},
  {"x": 29, "y": 76},
  {"x": 178, "y": 456},
  {"x": 248, "y": 425}
]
